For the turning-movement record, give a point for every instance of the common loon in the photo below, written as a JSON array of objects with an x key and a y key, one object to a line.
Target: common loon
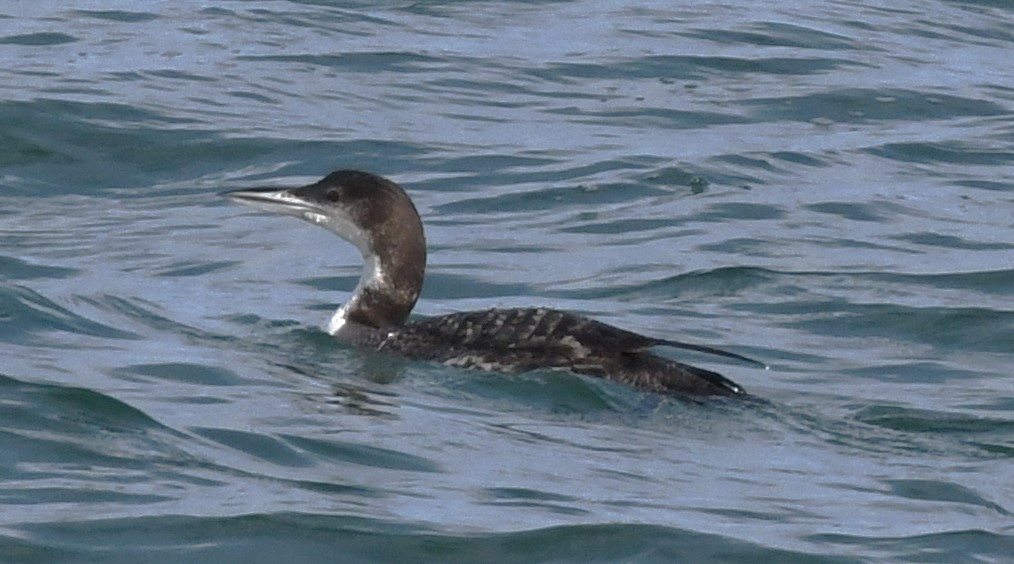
[{"x": 378, "y": 217}]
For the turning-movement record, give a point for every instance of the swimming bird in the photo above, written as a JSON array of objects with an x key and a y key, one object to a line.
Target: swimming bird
[{"x": 378, "y": 217}]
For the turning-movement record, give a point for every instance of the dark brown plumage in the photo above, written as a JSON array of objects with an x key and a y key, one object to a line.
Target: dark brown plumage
[{"x": 378, "y": 217}]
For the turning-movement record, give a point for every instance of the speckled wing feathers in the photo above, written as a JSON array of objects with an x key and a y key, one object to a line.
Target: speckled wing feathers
[
  {"x": 515, "y": 340},
  {"x": 510, "y": 340},
  {"x": 534, "y": 328}
]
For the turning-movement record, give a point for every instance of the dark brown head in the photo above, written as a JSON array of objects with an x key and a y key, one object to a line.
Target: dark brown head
[{"x": 375, "y": 215}]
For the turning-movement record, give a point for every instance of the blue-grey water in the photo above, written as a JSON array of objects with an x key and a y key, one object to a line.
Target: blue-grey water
[{"x": 826, "y": 186}]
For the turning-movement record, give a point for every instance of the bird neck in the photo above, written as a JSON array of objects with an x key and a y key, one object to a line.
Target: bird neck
[{"x": 394, "y": 267}]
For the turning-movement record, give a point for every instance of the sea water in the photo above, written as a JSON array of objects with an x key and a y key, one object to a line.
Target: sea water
[{"x": 825, "y": 186}]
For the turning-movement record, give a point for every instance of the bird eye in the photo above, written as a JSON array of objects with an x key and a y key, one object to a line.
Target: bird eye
[{"x": 333, "y": 195}]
